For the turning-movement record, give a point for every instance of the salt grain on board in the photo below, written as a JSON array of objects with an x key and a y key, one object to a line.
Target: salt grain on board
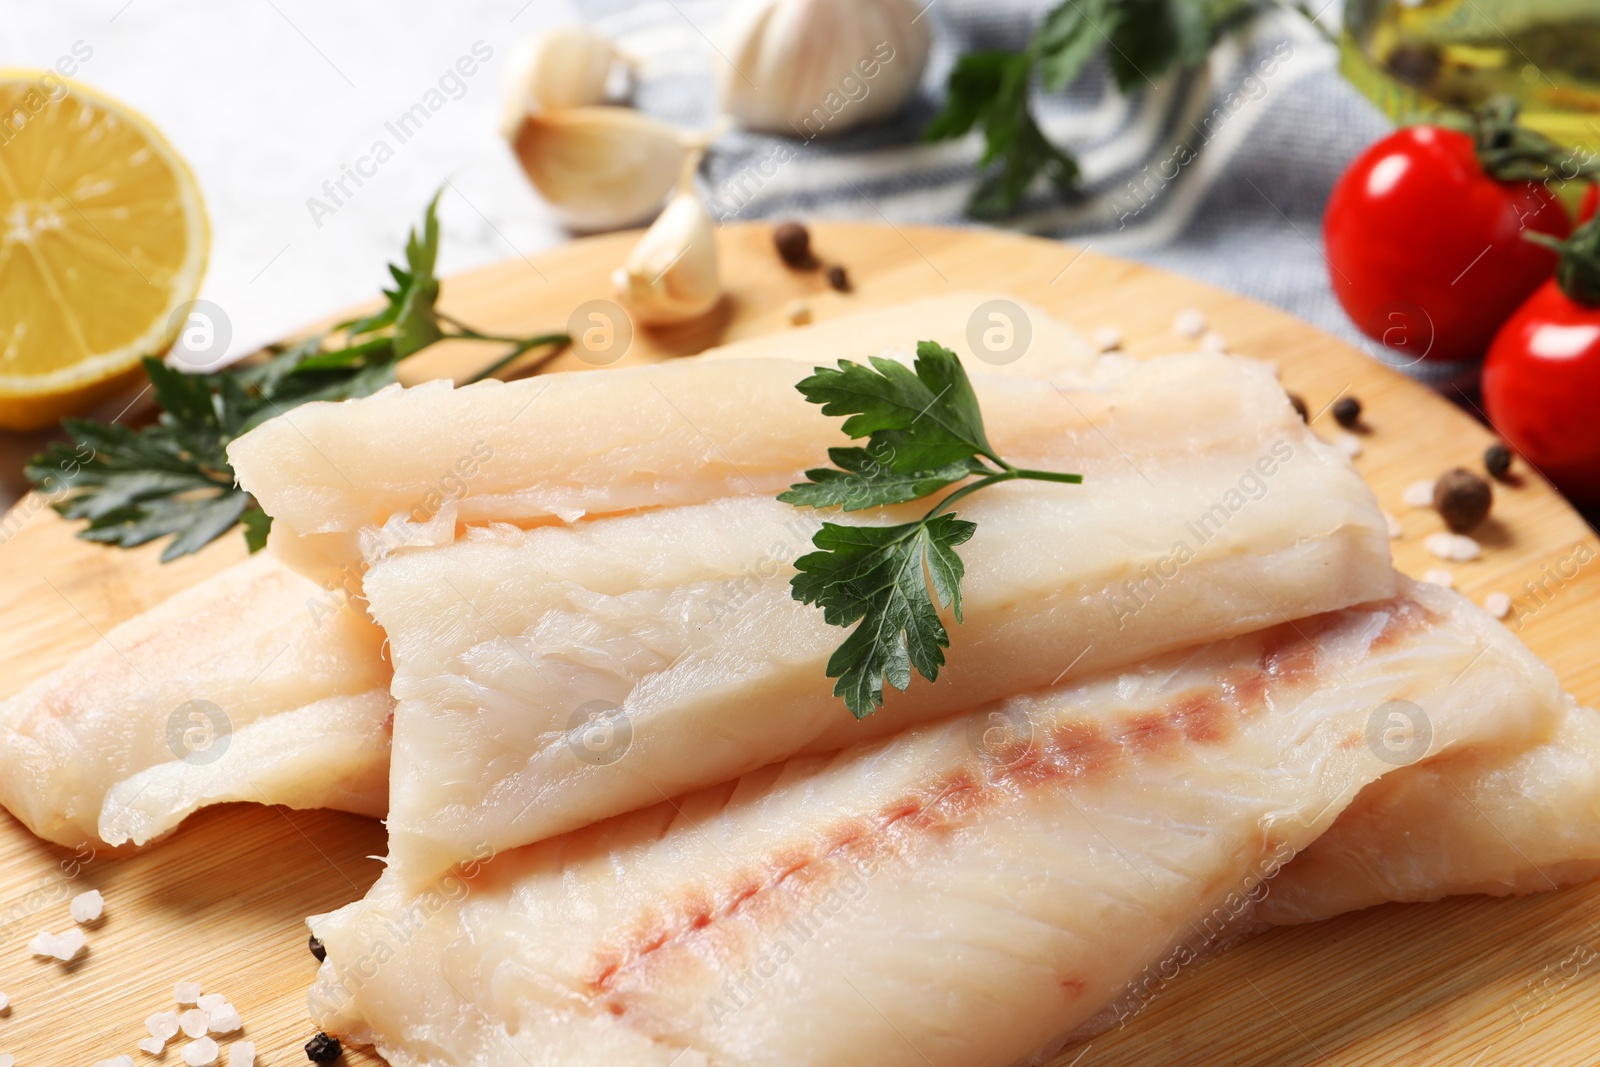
[
  {"x": 116, "y": 1061},
  {"x": 1212, "y": 341},
  {"x": 1349, "y": 444},
  {"x": 194, "y": 1022},
  {"x": 7, "y": 1060},
  {"x": 1419, "y": 494},
  {"x": 1108, "y": 339},
  {"x": 1395, "y": 529},
  {"x": 210, "y": 1001},
  {"x": 1440, "y": 577},
  {"x": 1439, "y": 544},
  {"x": 225, "y": 1020},
  {"x": 201, "y": 1053},
  {"x": 242, "y": 1054},
  {"x": 63, "y": 946},
  {"x": 186, "y": 992},
  {"x": 1190, "y": 322},
  {"x": 1497, "y": 604},
  {"x": 1457, "y": 547},
  {"x": 163, "y": 1025},
  {"x": 5, "y": 1002},
  {"x": 87, "y": 907},
  {"x": 152, "y": 1045}
]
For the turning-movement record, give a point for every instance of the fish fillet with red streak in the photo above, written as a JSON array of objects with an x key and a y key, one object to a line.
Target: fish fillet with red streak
[{"x": 967, "y": 892}]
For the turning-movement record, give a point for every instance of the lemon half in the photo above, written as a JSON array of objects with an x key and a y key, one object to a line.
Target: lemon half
[{"x": 102, "y": 239}]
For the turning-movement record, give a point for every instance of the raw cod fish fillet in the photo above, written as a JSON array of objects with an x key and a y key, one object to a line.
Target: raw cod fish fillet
[
  {"x": 557, "y": 447},
  {"x": 235, "y": 689},
  {"x": 967, "y": 892},
  {"x": 1487, "y": 821},
  {"x": 675, "y": 630}
]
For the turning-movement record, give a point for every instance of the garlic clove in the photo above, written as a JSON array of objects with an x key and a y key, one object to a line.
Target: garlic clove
[
  {"x": 671, "y": 274},
  {"x": 562, "y": 68},
  {"x": 602, "y": 167},
  {"x": 808, "y": 67}
]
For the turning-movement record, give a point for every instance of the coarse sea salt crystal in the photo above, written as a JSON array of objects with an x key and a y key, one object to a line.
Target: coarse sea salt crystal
[
  {"x": 1457, "y": 547},
  {"x": 7, "y": 1060},
  {"x": 63, "y": 946},
  {"x": 200, "y": 1053},
  {"x": 1212, "y": 341},
  {"x": 1497, "y": 604},
  {"x": 1190, "y": 322},
  {"x": 186, "y": 992},
  {"x": 210, "y": 1001},
  {"x": 5, "y": 1002},
  {"x": 163, "y": 1025},
  {"x": 87, "y": 907},
  {"x": 1440, "y": 577},
  {"x": 1395, "y": 529},
  {"x": 1419, "y": 494},
  {"x": 194, "y": 1022},
  {"x": 242, "y": 1054},
  {"x": 1349, "y": 444},
  {"x": 117, "y": 1061},
  {"x": 225, "y": 1020},
  {"x": 152, "y": 1045},
  {"x": 1108, "y": 339}
]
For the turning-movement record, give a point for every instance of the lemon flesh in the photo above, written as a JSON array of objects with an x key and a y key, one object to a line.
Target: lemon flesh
[{"x": 103, "y": 239}]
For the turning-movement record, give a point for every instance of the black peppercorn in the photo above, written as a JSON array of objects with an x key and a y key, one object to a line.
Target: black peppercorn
[
  {"x": 317, "y": 950},
  {"x": 1300, "y": 408},
  {"x": 1497, "y": 460},
  {"x": 1462, "y": 499},
  {"x": 1347, "y": 412},
  {"x": 838, "y": 278},
  {"x": 323, "y": 1049},
  {"x": 794, "y": 244}
]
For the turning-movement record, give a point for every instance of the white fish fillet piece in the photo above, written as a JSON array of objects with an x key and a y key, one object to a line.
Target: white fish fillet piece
[
  {"x": 950, "y": 895},
  {"x": 556, "y": 447},
  {"x": 1482, "y": 820},
  {"x": 266, "y": 693},
  {"x": 682, "y": 617}
]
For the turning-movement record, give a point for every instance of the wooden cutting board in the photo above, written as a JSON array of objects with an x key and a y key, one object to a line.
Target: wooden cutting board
[{"x": 1471, "y": 981}]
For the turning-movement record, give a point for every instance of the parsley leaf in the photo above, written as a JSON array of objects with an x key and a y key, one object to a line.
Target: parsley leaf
[
  {"x": 924, "y": 432},
  {"x": 875, "y": 575},
  {"x": 172, "y": 478}
]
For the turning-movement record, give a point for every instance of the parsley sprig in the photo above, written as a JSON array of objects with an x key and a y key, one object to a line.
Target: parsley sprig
[
  {"x": 1143, "y": 39},
  {"x": 924, "y": 432},
  {"x": 171, "y": 478}
]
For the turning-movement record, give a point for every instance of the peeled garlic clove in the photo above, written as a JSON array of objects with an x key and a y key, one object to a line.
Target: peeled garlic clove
[
  {"x": 601, "y": 167},
  {"x": 671, "y": 274},
  {"x": 808, "y": 67},
  {"x": 558, "y": 69}
]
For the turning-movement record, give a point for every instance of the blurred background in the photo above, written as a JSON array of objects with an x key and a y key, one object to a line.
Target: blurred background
[{"x": 1217, "y": 164}]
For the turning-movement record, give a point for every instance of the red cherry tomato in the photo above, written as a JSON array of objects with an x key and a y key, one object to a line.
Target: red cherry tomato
[
  {"x": 1425, "y": 249},
  {"x": 1541, "y": 384}
]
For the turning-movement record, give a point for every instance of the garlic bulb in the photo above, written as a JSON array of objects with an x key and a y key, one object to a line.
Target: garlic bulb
[
  {"x": 808, "y": 67},
  {"x": 671, "y": 274},
  {"x": 562, "y": 68},
  {"x": 602, "y": 167}
]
